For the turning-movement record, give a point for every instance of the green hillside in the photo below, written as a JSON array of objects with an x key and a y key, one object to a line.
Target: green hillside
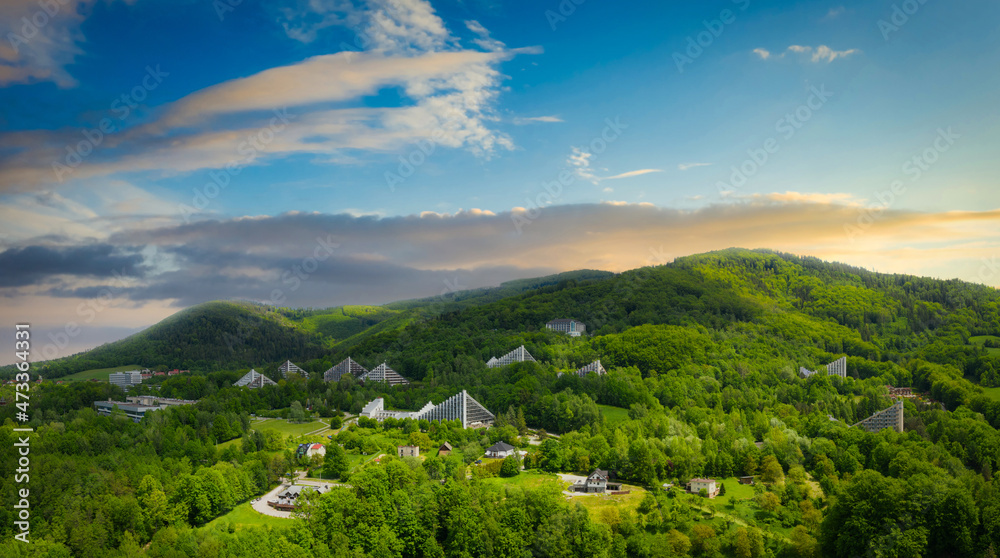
[{"x": 702, "y": 359}]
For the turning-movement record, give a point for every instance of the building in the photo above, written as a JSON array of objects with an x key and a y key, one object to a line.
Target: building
[
  {"x": 572, "y": 328},
  {"x": 125, "y": 380},
  {"x": 594, "y": 367},
  {"x": 900, "y": 391},
  {"x": 444, "y": 450},
  {"x": 695, "y": 486},
  {"x": 286, "y": 498},
  {"x": 500, "y": 450},
  {"x": 346, "y": 366},
  {"x": 131, "y": 410},
  {"x": 382, "y": 373},
  {"x": 597, "y": 482},
  {"x": 745, "y": 480},
  {"x": 838, "y": 367},
  {"x": 835, "y": 368},
  {"x": 154, "y": 401},
  {"x": 886, "y": 418},
  {"x": 461, "y": 407},
  {"x": 519, "y": 354},
  {"x": 289, "y": 368},
  {"x": 175, "y": 372},
  {"x": 408, "y": 451},
  {"x": 254, "y": 380},
  {"x": 309, "y": 450}
]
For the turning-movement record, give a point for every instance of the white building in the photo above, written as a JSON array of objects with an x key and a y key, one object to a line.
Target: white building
[
  {"x": 408, "y": 451},
  {"x": 289, "y": 368},
  {"x": 709, "y": 485},
  {"x": 838, "y": 367},
  {"x": 519, "y": 354},
  {"x": 572, "y": 328},
  {"x": 254, "y": 380},
  {"x": 382, "y": 373},
  {"x": 886, "y": 418},
  {"x": 125, "y": 380},
  {"x": 500, "y": 450},
  {"x": 346, "y": 366},
  {"x": 461, "y": 407}
]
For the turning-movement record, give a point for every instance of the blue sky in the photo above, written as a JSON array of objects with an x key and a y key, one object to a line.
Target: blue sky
[{"x": 655, "y": 116}]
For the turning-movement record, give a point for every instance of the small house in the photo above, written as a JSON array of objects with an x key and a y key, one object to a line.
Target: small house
[
  {"x": 408, "y": 451},
  {"x": 710, "y": 486},
  {"x": 500, "y": 450},
  {"x": 445, "y": 449},
  {"x": 746, "y": 480}
]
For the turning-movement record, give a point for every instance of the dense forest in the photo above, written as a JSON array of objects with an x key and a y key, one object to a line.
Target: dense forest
[{"x": 702, "y": 357}]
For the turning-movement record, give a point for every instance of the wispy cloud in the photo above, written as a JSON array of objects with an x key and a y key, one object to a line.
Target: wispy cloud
[
  {"x": 451, "y": 95},
  {"x": 523, "y": 120},
  {"x": 835, "y": 12},
  {"x": 630, "y": 174},
  {"x": 687, "y": 166},
  {"x": 818, "y": 54}
]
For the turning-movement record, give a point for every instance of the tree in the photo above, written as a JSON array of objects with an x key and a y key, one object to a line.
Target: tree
[
  {"x": 296, "y": 413},
  {"x": 771, "y": 471},
  {"x": 722, "y": 489},
  {"x": 510, "y": 467},
  {"x": 336, "y": 423}
]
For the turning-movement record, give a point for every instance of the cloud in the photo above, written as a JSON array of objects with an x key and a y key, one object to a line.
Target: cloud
[
  {"x": 579, "y": 163},
  {"x": 818, "y": 54},
  {"x": 314, "y": 259},
  {"x": 835, "y": 12},
  {"x": 521, "y": 120},
  {"x": 33, "y": 264},
  {"x": 630, "y": 174},
  {"x": 687, "y": 166},
  {"x": 450, "y": 96},
  {"x": 822, "y": 53}
]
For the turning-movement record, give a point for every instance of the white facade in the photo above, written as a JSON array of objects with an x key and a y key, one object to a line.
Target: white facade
[
  {"x": 886, "y": 418},
  {"x": 709, "y": 485},
  {"x": 254, "y": 380},
  {"x": 461, "y": 407},
  {"x": 838, "y": 367},
  {"x": 125, "y": 380},
  {"x": 519, "y": 354}
]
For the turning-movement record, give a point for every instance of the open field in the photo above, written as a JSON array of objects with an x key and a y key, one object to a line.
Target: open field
[
  {"x": 531, "y": 478},
  {"x": 992, "y": 393},
  {"x": 607, "y": 509},
  {"x": 293, "y": 428},
  {"x": 244, "y": 516},
  {"x": 980, "y": 339},
  {"x": 613, "y": 414},
  {"x": 99, "y": 373}
]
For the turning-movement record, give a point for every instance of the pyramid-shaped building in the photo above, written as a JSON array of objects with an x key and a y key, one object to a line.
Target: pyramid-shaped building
[
  {"x": 254, "y": 380},
  {"x": 289, "y": 368},
  {"x": 382, "y": 373},
  {"x": 346, "y": 366}
]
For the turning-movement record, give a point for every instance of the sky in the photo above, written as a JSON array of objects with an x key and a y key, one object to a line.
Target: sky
[{"x": 157, "y": 154}]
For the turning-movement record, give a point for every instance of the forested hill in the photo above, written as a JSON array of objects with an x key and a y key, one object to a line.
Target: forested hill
[
  {"x": 758, "y": 308},
  {"x": 225, "y": 335}
]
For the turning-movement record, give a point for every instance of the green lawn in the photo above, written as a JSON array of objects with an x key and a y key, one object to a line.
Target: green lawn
[
  {"x": 993, "y": 393},
  {"x": 245, "y": 516},
  {"x": 980, "y": 339},
  {"x": 99, "y": 373},
  {"x": 606, "y": 508},
  {"x": 613, "y": 415},
  {"x": 293, "y": 428},
  {"x": 531, "y": 478}
]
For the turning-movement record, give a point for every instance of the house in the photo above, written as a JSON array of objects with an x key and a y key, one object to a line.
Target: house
[
  {"x": 309, "y": 450},
  {"x": 445, "y": 449},
  {"x": 287, "y": 496},
  {"x": 572, "y": 328},
  {"x": 746, "y": 480},
  {"x": 408, "y": 451},
  {"x": 159, "y": 373},
  {"x": 695, "y": 486},
  {"x": 500, "y": 450},
  {"x": 597, "y": 482}
]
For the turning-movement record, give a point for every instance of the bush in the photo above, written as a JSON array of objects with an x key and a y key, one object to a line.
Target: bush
[{"x": 510, "y": 467}]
